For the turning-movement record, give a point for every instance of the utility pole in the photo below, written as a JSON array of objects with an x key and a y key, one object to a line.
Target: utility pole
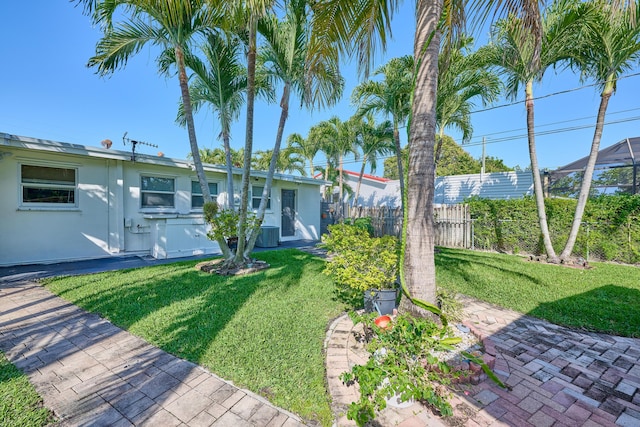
[{"x": 483, "y": 156}]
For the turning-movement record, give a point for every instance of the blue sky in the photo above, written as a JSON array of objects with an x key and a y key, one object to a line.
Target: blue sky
[{"x": 49, "y": 93}]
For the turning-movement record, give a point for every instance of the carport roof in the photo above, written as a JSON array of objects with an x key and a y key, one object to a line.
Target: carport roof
[{"x": 623, "y": 153}]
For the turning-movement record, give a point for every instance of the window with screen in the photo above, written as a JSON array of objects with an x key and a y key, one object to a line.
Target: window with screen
[
  {"x": 197, "y": 199},
  {"x": 48, "y": 186},
  {"x": 257, "y": 195},
  {"x": 157, "y": 192}
]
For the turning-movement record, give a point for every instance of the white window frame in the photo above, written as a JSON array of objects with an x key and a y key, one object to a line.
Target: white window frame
[
  {"x": 257, "y": 195},
  {"x": 43, "y": 184},
  {"x": 199, "y": 193},
  {"x": 163, "y": 192}
]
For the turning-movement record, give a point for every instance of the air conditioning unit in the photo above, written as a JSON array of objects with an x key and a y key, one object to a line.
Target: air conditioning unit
[{"x": 269, "y": 237}]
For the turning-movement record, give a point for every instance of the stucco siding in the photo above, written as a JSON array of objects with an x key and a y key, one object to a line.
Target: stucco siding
[
  {"x": 47, "y": 234},
  {"x": 74, "y": 202},
  {"x": 499, "y": 185}
]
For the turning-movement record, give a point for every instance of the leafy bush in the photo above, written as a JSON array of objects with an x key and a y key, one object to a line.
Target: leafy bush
[
  {"x": 402, "y": 364},
  {"x": 365, "y": 223},
  {"x": 610, "y": 229},
  {"x": 224, "y": 222},
  {"x": 360, "y": 261}
]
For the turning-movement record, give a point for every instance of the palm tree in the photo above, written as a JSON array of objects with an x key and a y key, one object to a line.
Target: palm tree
[
  {"x": 241, "y": 17},
  {"x": 391, "y": 97},
  {"x": 288, "y": 161},
  {"x": 515, "y": 55},
  {"x": 171, "y": 25},
  {"x": 220, "y": 85},
  {"x": 338, "y": 139},
  {"x": 462, "y": 78},
  {"x": 307, "y": 148},
  {"x": 373, "y": 140},
  {"x": 610, "y": 47},
  {"x": 283, "y": 57},
  {"x": 359, "y": 27},
  {"x": 217, "y": 156}
]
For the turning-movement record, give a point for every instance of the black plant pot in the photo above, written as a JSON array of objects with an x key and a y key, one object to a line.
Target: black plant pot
[{"x": 382, "y": 301}]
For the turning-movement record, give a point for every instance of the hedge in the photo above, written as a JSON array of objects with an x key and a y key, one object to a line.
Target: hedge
[{"x": 610, "y": 226}]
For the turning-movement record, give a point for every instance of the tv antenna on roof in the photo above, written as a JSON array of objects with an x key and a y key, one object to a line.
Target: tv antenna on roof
[{"x": 133, "y": 143}]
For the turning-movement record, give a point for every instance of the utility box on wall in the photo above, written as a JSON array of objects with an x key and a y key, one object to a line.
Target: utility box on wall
[{"x": 269, "y": 237}]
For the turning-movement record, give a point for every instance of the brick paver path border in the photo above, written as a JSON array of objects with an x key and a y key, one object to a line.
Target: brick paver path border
[
  {"x": 90, "y": 372},
  {"x": 556, "y": 376}
]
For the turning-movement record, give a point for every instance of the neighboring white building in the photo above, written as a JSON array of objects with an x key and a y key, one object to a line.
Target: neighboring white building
[
  {"x": 67, "y": 202},
  {"x": 455, "y": 189},
  {"x": 376, "y": 191}
]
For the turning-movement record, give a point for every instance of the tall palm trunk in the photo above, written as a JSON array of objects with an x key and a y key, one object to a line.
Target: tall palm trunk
[
  {"x": 227, "y": 153},
  {"x": 284, "y": 114},
  {"x": 438, "y": 150},
  {"x": 364, "y": 163},
  {"x": 341, "y": 187},
  {"x": 419, "y": 263},
  {"x": 191, "y": 129},
  {"x": 248, "y": 145},
  {"x": 535, "y": 172},
  {"x": 195, "y": 152},
  {"x": 396, "y": 141},
  {"x": 327, "y": 189},
  {"x": 585, "y": 187}
]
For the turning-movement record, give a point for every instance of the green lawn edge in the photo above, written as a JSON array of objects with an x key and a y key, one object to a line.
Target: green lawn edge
[
  {"x": 20, "y": 404},
  {"x": 264, "y": 331}
]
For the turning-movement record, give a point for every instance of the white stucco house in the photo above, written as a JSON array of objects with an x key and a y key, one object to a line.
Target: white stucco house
[
  {"x": 374, "y": 190},
  {"x": 382, "y": 192},
  {"x": 68, "y": 202}
]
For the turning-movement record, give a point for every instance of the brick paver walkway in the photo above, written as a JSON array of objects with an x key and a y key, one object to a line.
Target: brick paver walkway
[
  {"x": 92, "y": 373},
  {"x": 556, "y": 376}
]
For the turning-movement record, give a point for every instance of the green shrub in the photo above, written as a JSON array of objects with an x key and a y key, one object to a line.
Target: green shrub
[
  {"x": 360, "y": 261},
  {"x": 610, "y": 229},
  {"x": 364, "y": 223},
  {"x": 401, "y": 363},
  {"x": 224, "y": 222}
]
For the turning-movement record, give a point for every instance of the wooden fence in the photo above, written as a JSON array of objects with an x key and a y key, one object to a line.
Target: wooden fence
[
  {"x": 385, "y": 221},
  {"x": 453, "y": 226},
  {"x": 452, "y": 223}
]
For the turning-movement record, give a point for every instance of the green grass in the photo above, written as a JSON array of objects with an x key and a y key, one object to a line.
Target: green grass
[
  {"x": 605, "y": 298},
  {"x": 20, "y": 405},
  {"x": 264, "y": 331}
]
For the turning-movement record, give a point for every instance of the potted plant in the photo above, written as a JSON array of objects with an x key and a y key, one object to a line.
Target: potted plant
[{"x": 365, "y": 264}]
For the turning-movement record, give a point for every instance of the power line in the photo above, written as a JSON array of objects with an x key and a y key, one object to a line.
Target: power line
[
  {"x": 542, "y": 133},
  {"x": 561, "y": 92},
  {"x": 552, "y": 124},
  {"x": 524, "y": 136}
]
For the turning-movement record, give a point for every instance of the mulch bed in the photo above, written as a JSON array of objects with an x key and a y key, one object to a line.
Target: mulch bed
[
  {"x": 579, "y": 263},
  {"x": 214, "y": 267}
]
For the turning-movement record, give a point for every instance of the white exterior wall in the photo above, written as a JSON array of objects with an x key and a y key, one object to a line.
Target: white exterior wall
[
  {"x": 375, "y": 192},
  {"x": 498, "y": 185},
  {"x": 43, "y": 234},
  {"x": 107, "y": 218},
  {"x": 165, "y": 232},
  {"x": 449, "y": 189},
  {"x": 307, "y": 220}
]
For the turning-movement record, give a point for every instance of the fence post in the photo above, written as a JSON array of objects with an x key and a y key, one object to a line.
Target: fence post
[
  {"x": 473, "y": 235},
  {"x": 587, "y": 249}
]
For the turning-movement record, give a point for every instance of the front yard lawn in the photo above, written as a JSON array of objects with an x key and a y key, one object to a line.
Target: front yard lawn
[
  {"x": 604, "y": 298},
  {"x": 264, "y": 331},
  {"x": 20, "y": 405}
]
